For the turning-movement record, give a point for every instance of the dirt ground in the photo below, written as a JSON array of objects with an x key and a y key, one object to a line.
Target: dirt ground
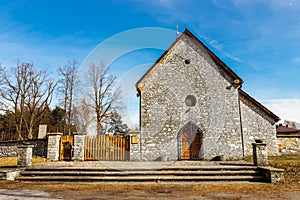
[
  {"x": 16, "y": 190},
  {"x": 257, "y": 191}
]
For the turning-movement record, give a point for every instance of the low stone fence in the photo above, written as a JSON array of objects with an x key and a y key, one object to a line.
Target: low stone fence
[
  {"x": 272, "y": 175},
  {"x": 288, "y": 144},
  {"x": 10, "y": 148}
]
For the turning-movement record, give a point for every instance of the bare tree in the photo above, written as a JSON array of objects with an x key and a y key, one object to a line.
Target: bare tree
[
  {"x": 102, "y": 92},
  {"x": 83, "y": 116},
  {"x": 291, "y": 124},
  {"x": 67, "y": 82},
  {"x": 25, "y": 93}
]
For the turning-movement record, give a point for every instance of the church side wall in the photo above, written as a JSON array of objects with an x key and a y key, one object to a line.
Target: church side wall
[
  {"x": 164, "y": 111},
  {"x": 257, "y": 124}
]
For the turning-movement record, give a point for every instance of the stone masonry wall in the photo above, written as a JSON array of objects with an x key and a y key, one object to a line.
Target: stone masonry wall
[
  {"x": 288, "y": 145},
  {"x": 164, "y": 111},
  {"x": 78, "y": 146},
  {"x": 10, "y": 148},
  {"x": 53, "y": 146},
  {"x": 257, "y": 124},
  {"x": 134, "y": 145},
  {"x": 25, "y": 155}
]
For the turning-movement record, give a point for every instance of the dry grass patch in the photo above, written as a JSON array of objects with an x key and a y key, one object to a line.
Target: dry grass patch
[
  {"x": 11, "y": 162},
  {"x": 162, "y": 191},
  {"x": 290, "y": 163}
]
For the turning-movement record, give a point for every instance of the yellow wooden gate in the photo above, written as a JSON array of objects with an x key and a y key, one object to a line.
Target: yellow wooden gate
[
  {"x": 106, "y": 147},
  {"x": 65, "y": 147}
]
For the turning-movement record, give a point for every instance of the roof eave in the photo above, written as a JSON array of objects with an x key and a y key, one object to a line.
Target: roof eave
[
  {"x": 275, "y": 117},
  {"x": 215, "y": 58}
]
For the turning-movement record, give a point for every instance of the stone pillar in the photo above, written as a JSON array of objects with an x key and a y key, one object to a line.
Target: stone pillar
[
  {"x": 25, "y": 155},
  {"x": 134, "y": 145},
  {"x": 78, "y": 146},
  {"x": 53, "y": 146},
  {"x": 42, "y": 131},
  {"x": 260, "y": 153}
]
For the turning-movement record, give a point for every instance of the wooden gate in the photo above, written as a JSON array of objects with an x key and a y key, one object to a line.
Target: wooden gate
[
  {"x": 65, "y": 147},
  {"x": 106, "y": 147}
]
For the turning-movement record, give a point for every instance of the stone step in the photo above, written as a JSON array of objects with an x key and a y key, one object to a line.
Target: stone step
[
  {"x": 137, "y": 173},
  {"x": 141, "y": 172},
  {"x": 2, "y": 175},
  {"x": 146, "y": 168},
  {"x": 148, "y": 178}
]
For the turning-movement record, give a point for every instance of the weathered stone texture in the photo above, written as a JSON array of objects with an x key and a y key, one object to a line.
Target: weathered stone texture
[
  {"x": 78, "y": 147},
  {"x": 288, "y": 145},
  {"x": 42, "y": 131},
  {"x": 257, "y": 124},
  {"x": 53, "y": 146},
  {"x": 164, "y": 112},
  {"x": 134, "y": 145},
  {"x": 273, "y": 175},
  {"x": 10, "y": 148},
  {"x": 25, "y": 155}
]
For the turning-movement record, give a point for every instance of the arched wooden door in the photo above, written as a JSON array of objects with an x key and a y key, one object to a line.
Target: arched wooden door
[{"x": 190, "y": 142}]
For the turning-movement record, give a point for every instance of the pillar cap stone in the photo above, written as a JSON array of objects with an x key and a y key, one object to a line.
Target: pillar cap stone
[
  {"x": 78, "y": 133},
  {"x": 26, "y": 146},
  {"x": 54, "y": 134},
  {"x": 259, "y": 144}
]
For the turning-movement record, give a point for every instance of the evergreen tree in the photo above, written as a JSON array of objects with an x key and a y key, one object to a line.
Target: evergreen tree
[{"x": 116, "y": 125}]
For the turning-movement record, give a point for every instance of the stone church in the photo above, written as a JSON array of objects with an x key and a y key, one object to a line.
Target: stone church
[{"x": 192, "y": 107}]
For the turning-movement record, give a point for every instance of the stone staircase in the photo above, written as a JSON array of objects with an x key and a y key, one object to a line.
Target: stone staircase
[
  {"x": 2, "y": 175},
  {"x": 138, "y": 172}
]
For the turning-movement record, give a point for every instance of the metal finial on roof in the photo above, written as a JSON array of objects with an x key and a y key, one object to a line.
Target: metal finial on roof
[{"x": 177, "y": 32}]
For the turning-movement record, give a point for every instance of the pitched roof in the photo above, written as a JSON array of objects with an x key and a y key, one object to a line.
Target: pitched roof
[
  {"x": 218, "y": 62},
  {"x": 215, "y": 58},
  {"x": 251, "y": 99},
  {"x": 285, "y": 129}
]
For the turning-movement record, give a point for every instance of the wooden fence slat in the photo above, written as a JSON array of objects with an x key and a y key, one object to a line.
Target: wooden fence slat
[
  {"x": 113, "y": 146},
  {"x": 106, "y": 147},
  {"x": 103, "y": 147},
  {"x": 118, "y": 147}
]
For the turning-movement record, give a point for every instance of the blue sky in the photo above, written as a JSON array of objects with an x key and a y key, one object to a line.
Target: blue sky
[{"x": 257, "y": 39}]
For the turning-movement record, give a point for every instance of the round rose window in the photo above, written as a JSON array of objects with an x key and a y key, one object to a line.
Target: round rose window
[{"x": 190, "y": 100}]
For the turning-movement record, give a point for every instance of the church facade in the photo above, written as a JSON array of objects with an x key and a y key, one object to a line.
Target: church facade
[{"x": 192, "y": 107}]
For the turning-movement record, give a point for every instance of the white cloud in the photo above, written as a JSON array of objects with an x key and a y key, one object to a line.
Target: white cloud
[
  {"x": 219, "y": 47},
  {"x": 285, "y": 108},
  {"x": 297, "y": 60}
]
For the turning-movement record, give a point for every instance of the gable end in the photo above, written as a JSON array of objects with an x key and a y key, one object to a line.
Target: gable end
[{"x": 237, "y": 80}]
